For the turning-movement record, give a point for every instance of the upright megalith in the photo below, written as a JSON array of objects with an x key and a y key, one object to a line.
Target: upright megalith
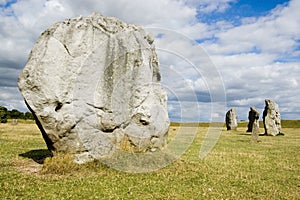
[
  {"x": 253, "y": 116},
  {"x": 253, "y": 125},
  {"x": 231, "y": 119},
  {"x": 271, "y": 118},
  {"x": 93, "y": 85}
]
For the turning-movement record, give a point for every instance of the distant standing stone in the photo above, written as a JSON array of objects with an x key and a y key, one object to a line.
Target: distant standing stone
[
  {"x": 253, "y": 116},
  {"x": 271, "y": 118},
  {"x": 253, "y": 125},
  {"x": 231, "y": 119}
]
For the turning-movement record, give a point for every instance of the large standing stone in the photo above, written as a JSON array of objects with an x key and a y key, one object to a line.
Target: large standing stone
[
  {"x": 252, "y": 117},
  {"x": 231, "y": 119},
  {"x": 271, "y": 118},
  {"x": 93, "y": 85}
]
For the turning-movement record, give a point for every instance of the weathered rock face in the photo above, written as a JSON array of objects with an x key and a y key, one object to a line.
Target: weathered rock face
[
  {"x": 252, "y": 117},
  {"x": 271, "y": 118},
  {"x": 231, "y": 119},
  {"x": 93, "y": 86}
]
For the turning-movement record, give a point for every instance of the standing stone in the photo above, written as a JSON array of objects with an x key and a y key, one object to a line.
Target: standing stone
[
  {"x": 271, "y": 118},
  {"x": 93, "y": 85},
  {"x": 252, "y": 117},
  {"x": 253, "y": 125},
  {"x": 231, "y": 119},
  {"x": 255, "y": 131}
]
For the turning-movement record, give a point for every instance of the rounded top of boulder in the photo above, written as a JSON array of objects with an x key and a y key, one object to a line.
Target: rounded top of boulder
[{"x": 107, "y": 24}]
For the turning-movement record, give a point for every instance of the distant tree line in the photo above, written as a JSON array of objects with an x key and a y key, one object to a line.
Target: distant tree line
[{"x": 6, "y": 114}]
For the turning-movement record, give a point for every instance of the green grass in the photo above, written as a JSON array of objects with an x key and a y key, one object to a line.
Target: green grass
[
  {"x": 235, "y": 169},
  {"x": 284, "y": 124}
]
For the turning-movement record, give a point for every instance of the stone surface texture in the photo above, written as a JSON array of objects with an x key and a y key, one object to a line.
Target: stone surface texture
[
  {"x": 271, "y": 118},
  {"x": 252, "y": 117},
  {"x": 93, "y": 85},
  {"x": 231, "y": 119}
]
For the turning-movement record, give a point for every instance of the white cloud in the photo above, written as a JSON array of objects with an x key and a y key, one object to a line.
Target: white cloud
[
  {"x": 167, "y": 13},
  {"x": 11, "y": 99},
  {"x": 246, "y": 56},
  {"x": 273, "y": 81},
  {"x": 277, "y": 33},
  {"x": 207, "y": 6}
]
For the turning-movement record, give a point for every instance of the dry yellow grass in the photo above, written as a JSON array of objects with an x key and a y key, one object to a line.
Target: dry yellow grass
[{"x": 235, "y": 169}]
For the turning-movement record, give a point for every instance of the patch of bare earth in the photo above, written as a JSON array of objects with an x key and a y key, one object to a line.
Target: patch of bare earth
[{"x": 28, "y": 166}]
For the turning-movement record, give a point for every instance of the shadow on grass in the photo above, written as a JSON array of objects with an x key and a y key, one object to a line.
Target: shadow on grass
[
  {"x": 38, "y": 155},
  {"x": 249, "y": 134}
]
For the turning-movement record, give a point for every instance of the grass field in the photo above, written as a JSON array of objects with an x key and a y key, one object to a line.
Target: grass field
[{"x": 235, "y": 169}]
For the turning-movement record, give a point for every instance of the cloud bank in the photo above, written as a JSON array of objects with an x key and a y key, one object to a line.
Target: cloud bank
[{"x": 209, "y": 64}]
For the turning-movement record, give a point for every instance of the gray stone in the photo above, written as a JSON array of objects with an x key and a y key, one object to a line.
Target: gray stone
[
  {"x": 93, "y": 85},
  {"x": 255, "y": 131},
  {"x": 231, "y": 119},
  {"x": 252, "y": 117},
  {"x": 253, "y": 125},
  {"x": 271, "y": 118}
]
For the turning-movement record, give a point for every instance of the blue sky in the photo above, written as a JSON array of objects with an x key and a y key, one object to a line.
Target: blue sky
[
  {"x": 245, "y": 8},
  {"x": 246, "y": 51}
]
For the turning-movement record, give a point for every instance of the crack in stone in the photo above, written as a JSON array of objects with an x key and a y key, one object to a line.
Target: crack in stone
[
  {"x": 67, "y": 50},
  {"x": 100, "y": 108}
]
